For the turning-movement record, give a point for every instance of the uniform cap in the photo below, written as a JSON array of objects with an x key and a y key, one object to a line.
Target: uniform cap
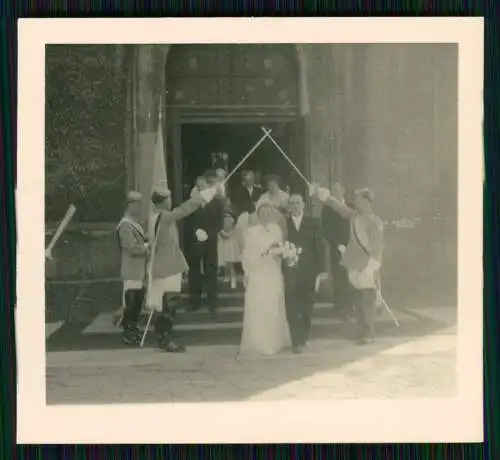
[
  {"x": 133, "y": 197},
  {"x": 162, "y": 191}
]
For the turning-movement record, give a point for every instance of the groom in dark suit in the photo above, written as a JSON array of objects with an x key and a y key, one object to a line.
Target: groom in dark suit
[{"x": 304, "y": 232}]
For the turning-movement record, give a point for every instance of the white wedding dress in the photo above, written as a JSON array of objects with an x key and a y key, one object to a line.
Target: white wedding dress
[{"x": 265, "y": 326}]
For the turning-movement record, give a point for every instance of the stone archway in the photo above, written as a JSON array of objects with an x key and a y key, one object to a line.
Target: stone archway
[
  {"x": 146, "y": 91},
  {"x": 150, "y": 62}
]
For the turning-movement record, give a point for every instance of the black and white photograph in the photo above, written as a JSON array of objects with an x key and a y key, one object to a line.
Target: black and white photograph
[{"x": 252, "y": 221}]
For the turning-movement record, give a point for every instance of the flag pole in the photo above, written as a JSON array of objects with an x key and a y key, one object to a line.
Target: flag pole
[
  {"x": 149, "y": 267},
  {"x": 119, "y": 314}
]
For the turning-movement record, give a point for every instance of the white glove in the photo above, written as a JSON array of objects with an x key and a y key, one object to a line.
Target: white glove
[
  {"x": 48, "y": 254},
  {"x": 323, "y": 193},
  {"x": 341, "y": 248},
  {"x": 208, "y": 194},
  {"x": 201, "y": 235},
  {"x": 313, "y": 190},
  {"x": 319, "y": 279}
]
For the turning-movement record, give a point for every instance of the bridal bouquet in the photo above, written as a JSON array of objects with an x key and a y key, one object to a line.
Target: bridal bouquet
[
  {"x": 287, "y": 251},
  {"x": 291, "y": 253}
]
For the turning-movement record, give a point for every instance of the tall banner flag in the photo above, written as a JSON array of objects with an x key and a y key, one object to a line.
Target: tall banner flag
[
  {"x": 156, "y": 173},
  {"x": 159, "y": 168},
  {"x": 159, "y": 180},
  {"x": 159, "y": 172}
]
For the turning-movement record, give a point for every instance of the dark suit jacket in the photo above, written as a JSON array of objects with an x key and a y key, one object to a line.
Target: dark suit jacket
[
  {"x": 208, "y": 218},
  {"x": 336, "y": 231},
  {"x": 242, "y": 201},
  {"x": 309, "y": 239}
]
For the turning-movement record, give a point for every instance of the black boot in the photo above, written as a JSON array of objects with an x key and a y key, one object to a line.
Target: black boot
[
  {"x": 133, "y": 302},
  {"x": 168, "y": 345},
  {"x": 131, "y": 336},
  {"x": 163, "y": 330}
]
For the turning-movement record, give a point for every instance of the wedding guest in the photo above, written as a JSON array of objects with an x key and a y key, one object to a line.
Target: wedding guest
[
  {"x": 336, "y": 231},
  {"x": 278, "y": 197},
  {"x": 202, "y": 230},
  {"x": 258, "y": 179},
  {"x": 246, "y": 194},
  {"x": 134, "y": 248},
  {"x": 200, "y": 184},
  {"x": 169, "y": 262},
  {"x": 228, "y": 250},
  {"x": 362, "y": 257},
  {"x": 221, "y": 174}
]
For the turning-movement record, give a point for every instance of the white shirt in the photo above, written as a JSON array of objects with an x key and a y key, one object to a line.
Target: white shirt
[
  {"x": 249, "y": 190},
  {"x": 297, "y": 220}
]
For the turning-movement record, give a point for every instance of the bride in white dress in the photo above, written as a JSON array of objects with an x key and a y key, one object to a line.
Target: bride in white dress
[{"x": 265, "y": 327}]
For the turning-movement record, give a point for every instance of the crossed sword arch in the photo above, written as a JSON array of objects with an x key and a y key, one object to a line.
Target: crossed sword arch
[{"x": 266, "y": 135}]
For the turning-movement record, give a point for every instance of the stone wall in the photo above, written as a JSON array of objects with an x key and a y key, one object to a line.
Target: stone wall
[
  {"x": 412, "y": 132},
  {"x": 385, "y": 116},
  {"x": 337, "y": 118}
]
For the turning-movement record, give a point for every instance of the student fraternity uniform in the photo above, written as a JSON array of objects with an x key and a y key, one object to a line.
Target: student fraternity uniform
[
  {"x": 363, "y": 258},
  {"x": 132, "y": 241},
  {"x": 168, "y": 263}
]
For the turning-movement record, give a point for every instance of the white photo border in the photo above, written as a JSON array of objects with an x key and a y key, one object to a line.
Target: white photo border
[{"x": 412, "y": 420}]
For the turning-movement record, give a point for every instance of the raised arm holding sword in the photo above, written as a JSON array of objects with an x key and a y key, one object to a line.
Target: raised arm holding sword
[{"x": 362, "y": 257}]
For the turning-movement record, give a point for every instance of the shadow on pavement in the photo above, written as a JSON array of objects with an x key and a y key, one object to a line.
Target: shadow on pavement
[{"x": 205, "y": 376}]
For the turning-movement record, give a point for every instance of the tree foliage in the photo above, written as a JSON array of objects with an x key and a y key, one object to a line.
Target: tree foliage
[{"x": 85, "y": 131}]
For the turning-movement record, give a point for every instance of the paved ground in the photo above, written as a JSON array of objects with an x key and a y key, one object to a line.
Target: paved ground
[{"x": 398, "y": 366}]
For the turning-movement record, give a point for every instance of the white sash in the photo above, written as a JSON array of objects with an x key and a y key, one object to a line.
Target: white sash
[{"x": 134, "y": 224}]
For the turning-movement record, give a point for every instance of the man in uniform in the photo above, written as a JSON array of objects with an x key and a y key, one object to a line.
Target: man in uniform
[
  {"x": 134, "y": 248},
  {"x": 362, "y": 257},
  {"x": 168, "y": 262}
]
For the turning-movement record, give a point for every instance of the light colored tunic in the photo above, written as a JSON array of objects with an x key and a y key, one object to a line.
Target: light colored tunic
[
  {"x": 160, "y": 286},
  {"x": 133, "y": 252},
  {"x": 363, "y": 255}
]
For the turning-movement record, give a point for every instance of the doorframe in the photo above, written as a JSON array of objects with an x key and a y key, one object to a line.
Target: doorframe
[{"x": 179, "y": 118}]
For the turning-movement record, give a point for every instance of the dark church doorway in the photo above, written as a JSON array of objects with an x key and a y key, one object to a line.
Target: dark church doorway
[
  {"x": 217, "y": 97},
  {"x": 199, "y": 143}
]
